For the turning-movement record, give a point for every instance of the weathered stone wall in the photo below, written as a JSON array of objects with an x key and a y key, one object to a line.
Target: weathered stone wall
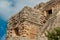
[
  {"x": 31, "y": 23},
  {"x": 26, "y": 23}
]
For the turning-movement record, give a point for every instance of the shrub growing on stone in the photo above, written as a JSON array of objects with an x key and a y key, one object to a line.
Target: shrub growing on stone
[{"x": 53, "y": 34}]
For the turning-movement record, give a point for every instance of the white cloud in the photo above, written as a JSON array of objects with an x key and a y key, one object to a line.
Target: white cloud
[
  {"x": 4, "y": 4},
  {"x": 9, "y": 8}
]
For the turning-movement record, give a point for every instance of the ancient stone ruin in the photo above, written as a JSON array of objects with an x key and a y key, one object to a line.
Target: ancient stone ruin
[{"x": 32, "y": 23}]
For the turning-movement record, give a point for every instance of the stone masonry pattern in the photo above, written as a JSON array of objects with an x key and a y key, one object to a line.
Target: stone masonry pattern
[{"x": 32, "y": 23}]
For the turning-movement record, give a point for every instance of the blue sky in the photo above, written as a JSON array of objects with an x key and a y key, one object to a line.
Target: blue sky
[{"x": 11, "y": 7}]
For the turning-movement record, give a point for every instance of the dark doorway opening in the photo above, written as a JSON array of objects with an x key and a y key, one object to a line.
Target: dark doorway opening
[
  {"x": 49, "y": 11},
  {"x": 17, "y": 31}
]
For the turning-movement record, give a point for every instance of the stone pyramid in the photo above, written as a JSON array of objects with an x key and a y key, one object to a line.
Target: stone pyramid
[{"x": 32, "y": 23}]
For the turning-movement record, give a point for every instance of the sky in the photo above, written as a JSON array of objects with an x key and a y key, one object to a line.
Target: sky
[{"x": 10, "y": 7}]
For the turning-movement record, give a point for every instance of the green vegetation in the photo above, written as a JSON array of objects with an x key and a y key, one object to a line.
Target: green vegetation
[{"x": 54, "y": 34}]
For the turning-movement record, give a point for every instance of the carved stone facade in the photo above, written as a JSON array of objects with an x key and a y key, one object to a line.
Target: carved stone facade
[{"x": 31, "y": 23}]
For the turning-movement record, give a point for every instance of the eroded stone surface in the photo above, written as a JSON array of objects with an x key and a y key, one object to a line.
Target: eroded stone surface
[{"x": 31, "y": 23}]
